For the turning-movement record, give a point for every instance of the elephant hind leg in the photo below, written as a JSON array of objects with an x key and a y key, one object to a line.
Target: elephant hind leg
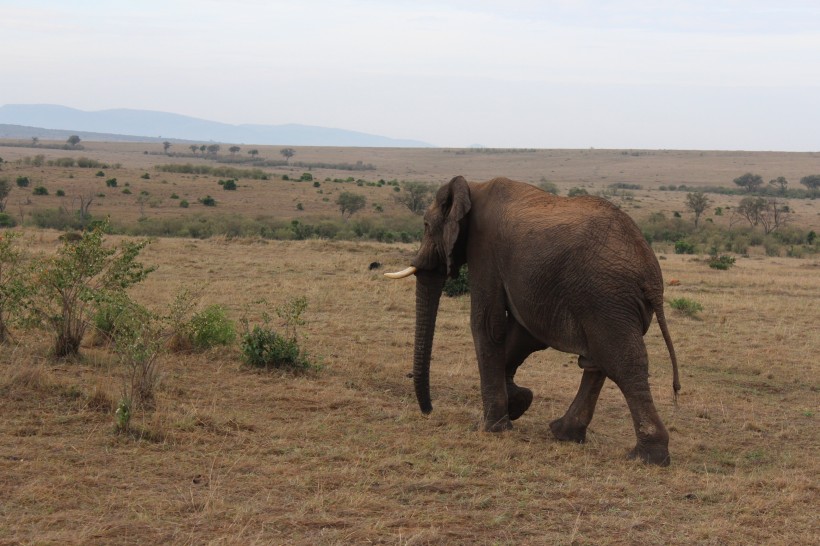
[
  {"x": 632, "y": 377},
  {"x": 573, "y": 425}
]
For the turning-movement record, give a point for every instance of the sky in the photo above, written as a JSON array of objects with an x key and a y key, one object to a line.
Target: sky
[{"x": 715, "y": 74}]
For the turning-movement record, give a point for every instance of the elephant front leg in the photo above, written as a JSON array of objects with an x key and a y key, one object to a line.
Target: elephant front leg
[
  {"x": 519, "y": 345},
  {"x": 488, "y": 336},
  {"x": 573, "y": 425}
]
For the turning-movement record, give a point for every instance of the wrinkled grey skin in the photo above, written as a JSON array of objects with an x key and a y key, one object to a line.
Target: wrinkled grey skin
[{"x": 545, "y": 271}]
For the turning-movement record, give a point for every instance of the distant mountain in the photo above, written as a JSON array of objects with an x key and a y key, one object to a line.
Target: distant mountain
[{"x": 23, "y": 120}]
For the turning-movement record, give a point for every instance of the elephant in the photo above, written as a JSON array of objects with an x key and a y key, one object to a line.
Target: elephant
[{"x": 571, "y": 273}]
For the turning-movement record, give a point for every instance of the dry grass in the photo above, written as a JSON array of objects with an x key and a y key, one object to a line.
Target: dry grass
[{"x": 343, "y": 455}]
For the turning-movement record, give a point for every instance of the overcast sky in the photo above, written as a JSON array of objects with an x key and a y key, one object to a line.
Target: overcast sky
[{"x": 714, "y": 74}]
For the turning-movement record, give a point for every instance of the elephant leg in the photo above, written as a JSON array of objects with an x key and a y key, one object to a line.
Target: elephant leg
[
  {"x": 631, "y": 374},
  {"x": 488, "y": 324},
  {"x": 653, "y": 439},
  {"x": 573, "y": 425},
  {"x": 519, "y": 345}
]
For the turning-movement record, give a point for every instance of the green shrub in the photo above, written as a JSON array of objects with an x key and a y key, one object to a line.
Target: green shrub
[
  {"x": 722, "y": 261},
  {"x": 100, "y": 174},
  {"x": 684, "y": 247},
  {"x": 575, "y": 192},
  {"x": 229, "y": 184},
  {"x": 211, "y": 327},
  {"x": 263, "y": 347},
  {"x": 7, "y": 220},
  {"x": 111, "y": 182},
  {"x": 72, "y": 283},
  {"x": 40, "y": 190},
  {"x": 306, "y": 177},
  {"x": 60, "y": 193},
  {"x": 145, "y": 176},
  {"x": 208, "y": 201},
  {"x": 183, "y": 204},
  {"x": 685, "y": 306},
  {"x": 459, "y": 285},
  {"x": 548, "y": 186}
]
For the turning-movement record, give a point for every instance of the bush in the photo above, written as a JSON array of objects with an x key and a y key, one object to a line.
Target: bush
[
  {"x": 229, "y": 184},
  {"x": 263, "y": 347},
  {"x": 683, "y": 247},
  {"x": 722, "y": 261},
  {"x": 575, "y": 192},
  {"x": 68, "y": 286},
  {"x": 7, "y": 220},
  {"x": 208, "y": 201},
  {"x": 184, "y": 204},
  {"x": 459, "y": 285},
  {"x": 687, "y": 307},
  {"x": 60, "y": 193},
  {"x": 306, "y": 177},
  {"x": 111, "y": 182},
  {"x": 211, "y": 327},
  {"x": 549, "y": 187},
  {"x": 40, "y": 190}
]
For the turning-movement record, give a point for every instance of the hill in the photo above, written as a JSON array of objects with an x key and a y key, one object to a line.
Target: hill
[{"x": 25, "y": 120}]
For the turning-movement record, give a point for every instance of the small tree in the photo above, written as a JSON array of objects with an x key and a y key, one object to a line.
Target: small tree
[
  {"x": 73, "y": 140},
  {"x": 166, "y": 146},
  {"x": 750, "y": 182},
  {"x": 416, "y": 196},
  {"x": 697, "y": 202},
  {"x": 350, "y": 203},
  {"x": 769, "y": 213},
  {"x": 194, "y": 148},
  {"x": 67, "y": 287},
  {"x": 287, "y": 153},
  {"x": 780, "y": 183},
  {"x": 5, "y": 189},
  {"x": 35, "y": 141},
  {"x": 12, "y": 287},
  {"x": 213, "y": 149},
  {"x": 203, "y": 148},
  {"x": 253, "y": 153},
  {"x": 234, "y": 149},
  {"x": 812, "y": 183}
]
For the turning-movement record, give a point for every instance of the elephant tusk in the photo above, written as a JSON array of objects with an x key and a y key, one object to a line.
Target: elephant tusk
[{"x": 401, "y": 274}]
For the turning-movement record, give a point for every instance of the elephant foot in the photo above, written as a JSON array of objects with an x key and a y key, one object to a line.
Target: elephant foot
[
  {"x": 519, "y": 402},
  {"x": 657, "y": 454},
  {"x": 566, "y": 432},
  {"x": 498, "y": 425}
]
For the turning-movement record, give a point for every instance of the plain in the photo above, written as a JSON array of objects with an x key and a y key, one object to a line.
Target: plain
[{"x": 342, "y": 455}]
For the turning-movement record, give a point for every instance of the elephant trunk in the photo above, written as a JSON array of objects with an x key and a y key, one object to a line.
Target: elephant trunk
[{"x": 428, "y": 295}]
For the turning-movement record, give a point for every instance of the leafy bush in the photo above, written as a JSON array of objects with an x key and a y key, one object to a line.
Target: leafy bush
[
  {"x": 685, "y": 306},
  {"x": 23, "y": 181},
  {"x": 306, "y": 177},
  {"x": 722, "y": 261},
  {"x": 575, "y": 192},
  {"x": 111, "y": 182},
  {"x": 100, "y": 174},
  {"x": 684, "y": 247},
  {"x": 183, "y": 204},
  {"x": 208, "y": 201},
  {"x": 7, "y": 220},
  {"x": 459, "y": 285},
  {"x": 60, "y": 193},
  {"x": 263, "y": 347},
  {"x": 40, "y": 190},
  {"x": 229, "y": 184},
  {"x": 211, "y": 327},
  {"x": 66, "y": 288}
]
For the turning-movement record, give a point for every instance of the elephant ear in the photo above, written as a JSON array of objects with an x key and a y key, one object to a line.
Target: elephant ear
[{"x": 454, "y": 198}]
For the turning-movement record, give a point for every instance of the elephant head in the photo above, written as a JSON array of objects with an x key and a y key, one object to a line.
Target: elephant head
[{"x": 441, "y": 255}]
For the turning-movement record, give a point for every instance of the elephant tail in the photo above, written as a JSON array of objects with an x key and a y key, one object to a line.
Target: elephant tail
[{"x": 657, "y": 303}]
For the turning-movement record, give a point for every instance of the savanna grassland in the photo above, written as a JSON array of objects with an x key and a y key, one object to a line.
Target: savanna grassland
[{"x": 340, "y": 454}]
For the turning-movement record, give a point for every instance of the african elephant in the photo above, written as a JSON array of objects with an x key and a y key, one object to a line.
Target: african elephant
[{"x": 545, "y": 271}]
